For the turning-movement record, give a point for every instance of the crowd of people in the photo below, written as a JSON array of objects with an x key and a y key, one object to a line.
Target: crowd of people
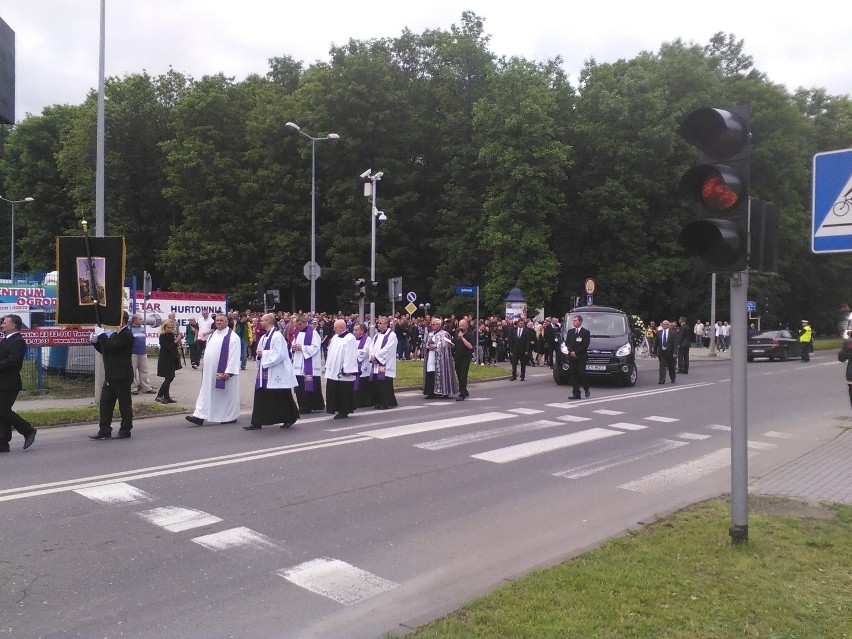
[{"x": 294, "y": 350}]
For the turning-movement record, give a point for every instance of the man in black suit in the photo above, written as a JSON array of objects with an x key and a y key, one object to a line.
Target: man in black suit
[
  {"x": 577, "y": 341},
  {"x": 117, "y": 350},
  {"x": 521, "y": 340},
  {"x": 551, "y": 340},
  {"x": 685, "y": 335},
  {"x": 665, "y": 346},
  {"x": 12, "y": 351}
]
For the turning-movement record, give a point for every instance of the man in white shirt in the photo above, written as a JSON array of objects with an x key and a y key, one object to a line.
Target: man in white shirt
[{"x": 341, "y": 369}]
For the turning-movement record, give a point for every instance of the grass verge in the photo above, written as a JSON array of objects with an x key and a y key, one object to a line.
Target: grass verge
[
  {"x": 680, "y": 577},
  {"x": 409, "y": 373},
  {"x": 89, "y": 414}
]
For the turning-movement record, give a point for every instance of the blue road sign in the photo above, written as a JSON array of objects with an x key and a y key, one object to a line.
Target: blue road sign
[
  {"x": 751, "y": 306},
  {"x": 465, "y": 290},
  {"x": 832, "y": 202}
]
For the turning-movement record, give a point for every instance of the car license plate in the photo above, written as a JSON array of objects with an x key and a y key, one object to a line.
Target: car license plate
[{"x": 595, "y": 367}]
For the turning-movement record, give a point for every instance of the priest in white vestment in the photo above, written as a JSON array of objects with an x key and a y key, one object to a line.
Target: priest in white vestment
[
  {"x": 219, "y": 396},
  {"x": 341, "y": 370}
]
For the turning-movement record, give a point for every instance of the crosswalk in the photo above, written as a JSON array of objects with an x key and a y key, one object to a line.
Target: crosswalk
[
  {"x": 544, "y": 430},
  {"x": 548, "y": 430}
]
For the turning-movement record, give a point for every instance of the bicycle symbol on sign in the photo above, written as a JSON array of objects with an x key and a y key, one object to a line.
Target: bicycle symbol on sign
[{"x": 842, "y": 207}]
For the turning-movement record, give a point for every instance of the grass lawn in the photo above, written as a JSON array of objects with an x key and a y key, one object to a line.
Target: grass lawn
[
  {"x": 410, "y": 373},
  {"x": 681, "y": 578}
]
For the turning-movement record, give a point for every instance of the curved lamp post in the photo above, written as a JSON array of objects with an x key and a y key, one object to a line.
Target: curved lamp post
[{"x": 313, "y": 263}]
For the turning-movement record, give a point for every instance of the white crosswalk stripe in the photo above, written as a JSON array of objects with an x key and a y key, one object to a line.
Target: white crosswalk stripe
[
  {"x": 665, "y": 420},
  {"x": 483, "y": 435},
  {"x": 696, "y": 437},
  {"x": 235, "y": 538},
  {"x": 627, "y": 426},
  {"x": 177, "y": 519},
  {"x": 115, "y": 493},
  {"x": 647, "y": 450},
  {"x": 574, "y": 418},
  {"x": 438, "y": 424},
  {"x": 526, "y": 411},
  {"x": 337, "y": 580},
  {"x": 606, "y": 411},
  {"x": 529, "y": 449},
  {"x": 681, "y": 473}
]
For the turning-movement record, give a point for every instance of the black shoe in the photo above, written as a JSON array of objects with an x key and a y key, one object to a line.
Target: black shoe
[
  {"x": 431, "y": 397},
  {"x": 522, "y": 379},
  {"x": 252, "y": 427},
  {"x": 663, "y": 382},
  {"x": 340, "y": 416},
  {"x": 100, "y": 436},
  {"x": 169, "y": 400},
  {"x": 587, "y": 392},
  {"x": 160, "y": 400},
  {"x": 123, "y": 434},
  {"x": 574, "y": 397},
  {"x": 195, "y": 420},
  {"x": 513, "y": 378},
  {"x": 233, "y": 421},
  {"x": 4, "y": 450},
  {"x": 30, "y": 438},
  {"x": 459, "y": 398},
  {"x": 286, "y": 424}
]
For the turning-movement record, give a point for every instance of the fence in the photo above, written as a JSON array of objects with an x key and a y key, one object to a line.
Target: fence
[{"x": 56, "y": 367}]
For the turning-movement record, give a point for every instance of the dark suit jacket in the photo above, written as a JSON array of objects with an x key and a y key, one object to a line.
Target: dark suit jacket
[
  {"x": 12, "y": 351},
  {"x": 671, "y": 343},
  {"x": 521, "y": 346},
  {"x": 578, "y": 343},
  {"x": 117, "y": 350}
]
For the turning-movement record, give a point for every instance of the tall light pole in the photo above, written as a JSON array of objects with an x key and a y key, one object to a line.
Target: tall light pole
[
  {"x": 12, "y": 261},
  {"x": 312, "y": 268},
  {"x": 375, "y": 216}
]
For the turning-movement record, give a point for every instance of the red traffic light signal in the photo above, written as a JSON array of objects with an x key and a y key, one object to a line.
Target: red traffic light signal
[{"x": 719, "y": 184}]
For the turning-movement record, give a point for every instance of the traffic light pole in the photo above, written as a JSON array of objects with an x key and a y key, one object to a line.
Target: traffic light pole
[{"x": 739, "y": 409}]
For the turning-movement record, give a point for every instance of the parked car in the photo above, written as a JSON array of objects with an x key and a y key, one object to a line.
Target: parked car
[
  {"x": 774, "y": 344},
  {"x": 611, "y": 354}
]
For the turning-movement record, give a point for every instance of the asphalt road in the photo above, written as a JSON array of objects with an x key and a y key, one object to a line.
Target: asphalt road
[{"x": 379, "y": 523}]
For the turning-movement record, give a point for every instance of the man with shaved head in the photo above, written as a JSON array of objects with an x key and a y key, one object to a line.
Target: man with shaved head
[{"x": 341, "y": 369}]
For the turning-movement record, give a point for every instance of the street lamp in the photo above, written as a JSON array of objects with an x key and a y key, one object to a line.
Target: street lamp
[
  {"x": 376, "y": 215},
  {"x": 312, "y": 268},
  {"x": 12, "y": 263}
]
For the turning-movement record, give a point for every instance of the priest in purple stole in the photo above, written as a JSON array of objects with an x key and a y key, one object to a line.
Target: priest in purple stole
[
  {"x": 363, "y": 385},
  {"x": 383, "y": 359},
  {"x": 273, "y": 394},
  {"x": 341, "y": 371},
  {"x": 307, "y": 364},
  {"x": 219, "y": 396}
]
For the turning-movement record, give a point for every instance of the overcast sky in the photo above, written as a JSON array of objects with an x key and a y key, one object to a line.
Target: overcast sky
[{"x": 57, "y": 40}]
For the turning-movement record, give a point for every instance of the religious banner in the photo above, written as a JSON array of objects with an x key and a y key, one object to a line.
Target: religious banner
[{"x": 90, "y": 281}]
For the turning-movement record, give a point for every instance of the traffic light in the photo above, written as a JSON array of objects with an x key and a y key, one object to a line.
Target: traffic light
[
  {"x": 764, "y": 236},
  {"x": 719, "y": 184},
  {"x": 360, "y": 291},
  {"x": 374, "y": 291}
]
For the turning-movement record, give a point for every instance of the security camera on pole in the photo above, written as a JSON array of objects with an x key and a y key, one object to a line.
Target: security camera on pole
[{"x": 376, "y": 216}]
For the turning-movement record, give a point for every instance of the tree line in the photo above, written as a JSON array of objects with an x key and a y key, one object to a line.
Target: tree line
[{"x": 498, "y": 172}]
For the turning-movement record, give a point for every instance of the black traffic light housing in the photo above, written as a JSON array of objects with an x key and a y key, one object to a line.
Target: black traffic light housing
[
  {"x": 373, "y": 293},
  {"x": 719, "y": 184},
  {"x": 360, "y": 291}
]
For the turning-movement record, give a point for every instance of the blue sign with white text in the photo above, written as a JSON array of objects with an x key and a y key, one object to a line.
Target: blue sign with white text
[
  {"x": 466, "y": 290},
  {"x": 832, "y": 202}
]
